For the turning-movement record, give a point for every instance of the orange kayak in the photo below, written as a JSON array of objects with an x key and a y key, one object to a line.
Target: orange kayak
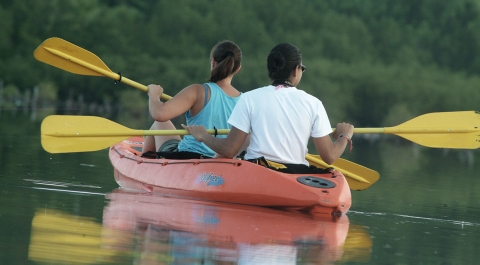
[{"x": 229, "y": 180}]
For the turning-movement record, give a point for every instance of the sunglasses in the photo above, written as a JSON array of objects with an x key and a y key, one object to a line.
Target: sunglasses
[{"x": 303, "y": 67}]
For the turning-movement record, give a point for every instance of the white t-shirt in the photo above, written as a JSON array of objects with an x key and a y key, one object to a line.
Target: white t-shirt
[{"x": 280, "y": 121}]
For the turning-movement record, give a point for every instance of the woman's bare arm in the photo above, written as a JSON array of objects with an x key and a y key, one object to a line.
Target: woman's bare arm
[{"x": 176, "y": 106}]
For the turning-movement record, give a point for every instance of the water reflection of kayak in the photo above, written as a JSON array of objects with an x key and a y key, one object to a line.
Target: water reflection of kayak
[
  {"x": 180, "y": 230},
  {"x": 152, "y": 229},
  {"x": 229, "y": 180}
]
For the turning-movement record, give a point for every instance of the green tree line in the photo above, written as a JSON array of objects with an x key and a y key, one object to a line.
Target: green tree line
[{"x": 371, "y": 62}]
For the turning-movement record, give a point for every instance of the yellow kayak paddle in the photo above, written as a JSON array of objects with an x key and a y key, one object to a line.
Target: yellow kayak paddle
[{"x": 69, "y": 57}]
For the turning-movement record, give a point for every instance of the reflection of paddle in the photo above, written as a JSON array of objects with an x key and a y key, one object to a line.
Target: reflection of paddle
[
  {"x": 358, "y": 245},
  {"x": 67, "y": 134},
  {"x": 61, "y": 238},
  {"x": 71, "y": 58}
]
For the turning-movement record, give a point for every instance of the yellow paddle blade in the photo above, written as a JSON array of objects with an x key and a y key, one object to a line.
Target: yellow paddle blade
[
  {"x": 457, "y": 129},
  {"x": 358, "y": 177},
  {"x": 69, "y": 57},
  {"x": 62, "y": 54},
  {"x": 69, "y": 134},
  {"x": 66, "y": 134}
]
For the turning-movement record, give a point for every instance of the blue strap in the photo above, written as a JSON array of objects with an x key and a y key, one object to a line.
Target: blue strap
[{"x": 206, "y": 95}]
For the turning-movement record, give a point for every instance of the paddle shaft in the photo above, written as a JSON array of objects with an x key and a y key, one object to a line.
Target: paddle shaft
[
  {"x": 226, "y": 131},
  {"x": 394, "y": 130},
  {"x": 129, "y": 133}
]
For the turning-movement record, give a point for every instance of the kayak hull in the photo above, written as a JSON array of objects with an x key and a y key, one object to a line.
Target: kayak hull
[{"x": 228, "y": 180}]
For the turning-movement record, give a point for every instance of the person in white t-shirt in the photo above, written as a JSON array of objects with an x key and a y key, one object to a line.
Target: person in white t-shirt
[{"x": 280, "y": 118}]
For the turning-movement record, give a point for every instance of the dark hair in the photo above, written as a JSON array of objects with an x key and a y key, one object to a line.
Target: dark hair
[
  {"x": 228, "y": 57},
  {"x": 282, "y": 59}
]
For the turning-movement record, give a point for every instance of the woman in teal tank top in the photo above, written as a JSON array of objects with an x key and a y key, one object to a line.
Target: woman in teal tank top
[{"x": 208, "y": 104}]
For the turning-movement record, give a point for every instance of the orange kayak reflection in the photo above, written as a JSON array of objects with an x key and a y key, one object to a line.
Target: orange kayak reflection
[
  {"x": 144, "y": 228},
  {"x": 183, "y": 231}
]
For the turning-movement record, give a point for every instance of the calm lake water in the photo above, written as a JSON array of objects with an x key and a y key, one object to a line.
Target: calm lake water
[{"x": 67, "y": 209}]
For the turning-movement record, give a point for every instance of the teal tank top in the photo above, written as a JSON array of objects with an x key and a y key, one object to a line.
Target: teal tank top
[{"x": 215, "y": 113}]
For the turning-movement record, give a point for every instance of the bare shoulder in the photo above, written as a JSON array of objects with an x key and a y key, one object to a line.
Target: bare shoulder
[
  {"x": 195, "y": 86},
  {"x": 191, "y": 90},
  {"x": 197, "y": 89}
]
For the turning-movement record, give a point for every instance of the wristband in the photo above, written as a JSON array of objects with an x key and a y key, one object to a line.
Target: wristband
[{"x": 348, "y": 139}]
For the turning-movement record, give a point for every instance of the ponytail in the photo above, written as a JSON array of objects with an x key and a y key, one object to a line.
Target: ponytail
[{"x": 227, "y": 56}]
